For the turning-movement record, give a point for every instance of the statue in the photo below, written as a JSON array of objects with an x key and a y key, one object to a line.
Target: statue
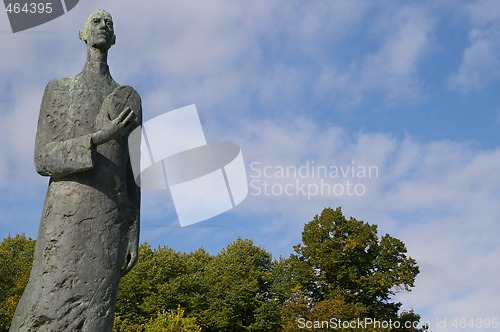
[{"x": 89, "y": 229}]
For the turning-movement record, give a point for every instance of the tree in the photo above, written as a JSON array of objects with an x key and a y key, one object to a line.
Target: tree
[
  {"x": 161, "y": 280},
  {"x": 226, "y": 292},
  {"x": 16, "y": 259},
  {"x": 344, "y": 270},
  {"x": 237, "y": 283}
]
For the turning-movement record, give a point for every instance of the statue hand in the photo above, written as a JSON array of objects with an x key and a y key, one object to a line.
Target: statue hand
[
  {"x": 130, "y": 257},
  {"x": 115, "y": 127}
]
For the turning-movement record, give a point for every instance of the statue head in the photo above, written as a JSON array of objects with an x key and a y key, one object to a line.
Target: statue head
[{"x": 98, "y": 30}]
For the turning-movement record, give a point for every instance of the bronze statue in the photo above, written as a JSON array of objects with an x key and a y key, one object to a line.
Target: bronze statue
[{"x": 89, "y": 228}]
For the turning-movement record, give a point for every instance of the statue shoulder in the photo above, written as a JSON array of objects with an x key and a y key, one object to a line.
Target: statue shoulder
[{"x": 60, "y": 84}]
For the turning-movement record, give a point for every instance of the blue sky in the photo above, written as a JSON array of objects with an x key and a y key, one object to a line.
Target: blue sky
[{"x": 409, "y": 86}]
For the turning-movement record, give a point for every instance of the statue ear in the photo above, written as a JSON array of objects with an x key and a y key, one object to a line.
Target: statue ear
[
  {"x": 114, "y": 40},
  {"x": 82, "y": 36}
]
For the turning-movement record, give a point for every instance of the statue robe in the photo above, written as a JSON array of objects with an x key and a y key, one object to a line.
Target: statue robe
[{"x": 90, "y": 219}]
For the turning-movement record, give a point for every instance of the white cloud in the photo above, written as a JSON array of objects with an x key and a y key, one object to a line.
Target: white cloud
[
  {"x": 480, "y": 59},
  {"x": 480, "y": 62},
  {"x": 483, "y": 12},
  {"x": 407, "y": 39},
  {"x": 404, "y": 37}
]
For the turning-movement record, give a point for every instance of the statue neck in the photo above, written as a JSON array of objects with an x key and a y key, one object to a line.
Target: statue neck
[{"x": 97, "y": 62}]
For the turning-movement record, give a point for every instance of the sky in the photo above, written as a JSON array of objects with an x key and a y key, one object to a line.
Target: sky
[{"x": 401, "y": 96}]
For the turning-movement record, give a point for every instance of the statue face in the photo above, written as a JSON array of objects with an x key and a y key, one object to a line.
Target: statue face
[{"x": 98, "y": 31}]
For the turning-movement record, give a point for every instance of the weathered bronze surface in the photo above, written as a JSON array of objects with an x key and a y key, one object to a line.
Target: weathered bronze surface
[{"x": 89, "y": 229}]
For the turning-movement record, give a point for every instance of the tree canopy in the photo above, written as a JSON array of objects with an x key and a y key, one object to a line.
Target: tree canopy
[
  {"x": 341, "y": 270},
  {"x": 16, "y": 258}
]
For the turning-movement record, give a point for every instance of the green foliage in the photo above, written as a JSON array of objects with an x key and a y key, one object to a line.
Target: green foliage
[
  {"x": 342, "y": 269},
  {"x": 16, "y": 259},
  {"x": 163, "y": 322},
  {"x": 172, "y": 322},
  {"x": 125, "y": 325},
  {"x": 345, "y": 271},
  {"x": 161, "y": 280},
  {"x": 226, "y": 292},
  {"x": 239, "y": 280},
  {"x": 156, "y": 283}
]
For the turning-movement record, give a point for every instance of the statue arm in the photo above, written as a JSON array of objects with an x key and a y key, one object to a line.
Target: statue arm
[
  {"x": 134, "y": 195},
  {"x": 55, "y": 156},
  {"x": 134, "y": 198}
]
